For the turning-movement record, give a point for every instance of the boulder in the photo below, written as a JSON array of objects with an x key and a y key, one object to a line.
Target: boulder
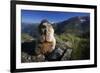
[
  {"x": 55, "y": 55},
  {"x": 67, "y": 55},
  {"x": 25, "y": 57},
  {"x": 58, "y": 54},
  {"x": 38, "y": 58}
]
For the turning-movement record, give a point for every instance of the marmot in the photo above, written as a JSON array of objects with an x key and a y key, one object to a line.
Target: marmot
[{"x": 46, "y": 41}]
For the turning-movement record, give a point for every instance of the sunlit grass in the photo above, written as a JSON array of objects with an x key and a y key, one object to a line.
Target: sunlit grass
[{"x": 80, "y": 45}]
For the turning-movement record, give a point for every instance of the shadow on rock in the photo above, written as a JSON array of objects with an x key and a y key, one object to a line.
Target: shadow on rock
[{"x": 28, "y": 47}]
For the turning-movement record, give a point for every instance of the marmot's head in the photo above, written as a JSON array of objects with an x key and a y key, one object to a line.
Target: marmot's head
[{"x": 46, "y": 30}]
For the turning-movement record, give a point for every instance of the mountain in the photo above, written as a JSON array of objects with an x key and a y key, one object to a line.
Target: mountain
[
  {"x": 30, "y": 29},
  {"x": 76, "y": 25}
]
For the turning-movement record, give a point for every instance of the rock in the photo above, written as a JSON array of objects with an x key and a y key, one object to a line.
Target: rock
[
  {"x": 61, "y": 45},
  {"x": 55, "y": 55},
  {"x": 67, "y": 55},
  {"x": 69, "y": 44},
  {"x": 25, "y": 57},
  {"x": 31, "y": 58},
  {"x": 59, "y": 54},
  {"x": 38, "y": 58}
]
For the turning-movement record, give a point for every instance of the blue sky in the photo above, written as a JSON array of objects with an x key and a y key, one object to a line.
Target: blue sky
[{"x": 33, "y": 16}]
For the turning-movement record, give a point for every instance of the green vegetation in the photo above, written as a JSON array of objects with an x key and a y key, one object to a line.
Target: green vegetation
[
  {"x": 80, "y": 45},
  {"x": 26, "y": 37}
]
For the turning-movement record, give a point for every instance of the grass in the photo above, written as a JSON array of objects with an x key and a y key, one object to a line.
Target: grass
[
  {"x": 80, "y": 46},
  {"x": 26, "y": 37}
]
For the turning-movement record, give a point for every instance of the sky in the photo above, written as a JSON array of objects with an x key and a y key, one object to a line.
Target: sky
[{"x": 33, "y": 16}]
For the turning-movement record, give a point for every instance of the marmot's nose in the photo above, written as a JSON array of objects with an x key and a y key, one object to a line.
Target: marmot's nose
[{"x": 45, "y": 31}]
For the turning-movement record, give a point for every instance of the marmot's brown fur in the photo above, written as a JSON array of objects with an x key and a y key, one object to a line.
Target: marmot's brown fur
[{"x": 46, "y": 40}]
